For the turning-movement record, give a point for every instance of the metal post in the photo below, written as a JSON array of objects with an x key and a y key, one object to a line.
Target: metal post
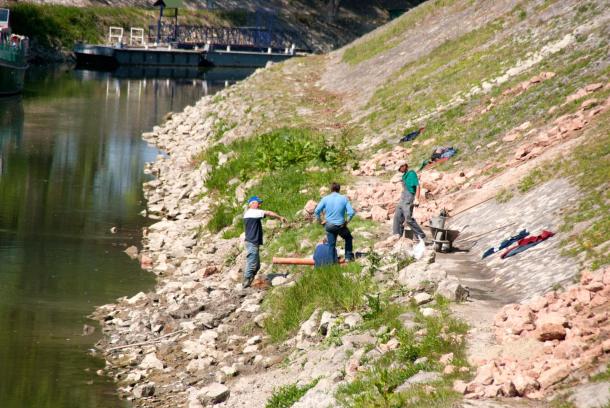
[
  {"x": 176, "y": 26},
  {"x": 161, "y": 7}
]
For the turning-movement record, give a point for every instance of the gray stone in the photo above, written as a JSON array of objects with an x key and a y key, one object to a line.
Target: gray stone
[
  {"x": 408, "y": 321},
  {"x": 310, "y": 327},
  {"x": 416, "y": 276},
  {"x": 151, "y": 361},
  {"x": 422, "y": 298},
  {"x": 358, "y": 340},
  {"x": 593, "y": 395},
  {"x": 452, "y": 290},
  {"x": 429, "y": 312},
  {"x": 144, "y": 390},
  {"x": 326, "y": 323},
  {"x": 213, "y": 394},
  {"x": 422, "y": 377},
  {"x": 279, "y": 281},
  {"x": 352, "y": 320}
]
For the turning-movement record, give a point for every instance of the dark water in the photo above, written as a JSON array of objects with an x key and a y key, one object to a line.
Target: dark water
[{"x": 71, "y": 162}]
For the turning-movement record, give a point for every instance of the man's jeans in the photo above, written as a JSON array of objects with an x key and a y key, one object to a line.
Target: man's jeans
[
  {"x": 404, "y": 211},
  {"x": 331, "y": 235},
  {"x": 253, "y": 261}
]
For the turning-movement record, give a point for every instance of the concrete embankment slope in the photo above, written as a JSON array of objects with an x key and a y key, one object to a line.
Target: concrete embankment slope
[{"x": 519, "y": 89}]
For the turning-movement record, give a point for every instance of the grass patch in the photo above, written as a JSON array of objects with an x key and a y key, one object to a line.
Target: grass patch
[
  {"x": 391, "y": 36},
  {"x": 376, "y": 386},
  {"x": 334, "y": 288},
  {"x": 290, "y": 164},
  {"x": 286, "y": 396},
  {"x": 504, "y": 195},
  {"x": 605, "y": 376}
]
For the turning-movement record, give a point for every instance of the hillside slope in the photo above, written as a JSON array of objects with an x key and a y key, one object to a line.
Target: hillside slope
[{"x": 520, "y": 89}]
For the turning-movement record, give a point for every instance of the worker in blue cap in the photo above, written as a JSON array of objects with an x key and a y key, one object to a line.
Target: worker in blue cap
[{"x": 254, "y": 236}]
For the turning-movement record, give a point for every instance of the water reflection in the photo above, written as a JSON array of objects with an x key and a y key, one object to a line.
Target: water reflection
[{"x": 71, "y": 162}]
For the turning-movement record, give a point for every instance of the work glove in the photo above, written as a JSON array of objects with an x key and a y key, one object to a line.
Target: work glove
[{"x": 416, "y": 203}]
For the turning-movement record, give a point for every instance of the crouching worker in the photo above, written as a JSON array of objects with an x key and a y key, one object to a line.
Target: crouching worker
[
  {"x": 324, "y": 254},
  {"x": 336, "y": 207},
  {"x": 254, "y": 237}
]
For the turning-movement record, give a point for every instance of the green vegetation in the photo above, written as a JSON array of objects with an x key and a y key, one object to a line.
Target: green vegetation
[
  {"x": 334, "y": 288},
  {"x": 290, "y": 165},
  {"x": 56, "y": 25},
  {"x": 376, "y": 386},
  {"x": 286, "y": 396},
  {"x": 465, "y": 127},
  {"x": 391, "y": 36},
  {"x": 504, "y": 195},
  {"x": 604, "y": 376}
]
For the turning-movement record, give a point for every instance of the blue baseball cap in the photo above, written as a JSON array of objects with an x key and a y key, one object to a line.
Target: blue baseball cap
[{"x": 254, "y": 198}]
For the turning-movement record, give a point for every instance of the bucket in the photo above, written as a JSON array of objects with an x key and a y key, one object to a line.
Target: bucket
[{"x": 438, "y": 222}]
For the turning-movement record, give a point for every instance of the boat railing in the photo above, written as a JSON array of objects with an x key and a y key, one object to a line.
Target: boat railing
[
  {"x": 247, "y": 36},
  {"x": 115, "y": 35},
  {"x": 136, "y": 37}
]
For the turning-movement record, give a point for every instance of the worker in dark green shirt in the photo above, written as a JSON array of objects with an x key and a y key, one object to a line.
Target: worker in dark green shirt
[{"x": 408, "y": 200}]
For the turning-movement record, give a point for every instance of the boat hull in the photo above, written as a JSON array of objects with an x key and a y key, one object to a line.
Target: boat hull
[
  {"x": 242, "y": 58},
  {"x": 12, "y": 78}
]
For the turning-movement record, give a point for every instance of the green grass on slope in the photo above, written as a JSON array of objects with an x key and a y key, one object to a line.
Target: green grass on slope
[
  {"x": 286, "y": 396},
  {"x": 463, "y": 127},
  {"x": 290, "y": 165},
  {"x": 390, "y": 36},
  {"x": 449, "y": 72},
  {"x": 334, "y": 288}
]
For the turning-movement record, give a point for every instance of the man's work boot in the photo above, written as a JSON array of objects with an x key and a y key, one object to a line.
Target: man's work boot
[{"x": 247, "y": 282}]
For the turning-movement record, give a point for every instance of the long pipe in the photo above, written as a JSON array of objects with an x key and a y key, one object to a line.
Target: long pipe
[{"x": 296, "y": 261}]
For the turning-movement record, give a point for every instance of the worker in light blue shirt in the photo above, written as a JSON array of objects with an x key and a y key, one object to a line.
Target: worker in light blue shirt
[{"x": 336, "y": 207}]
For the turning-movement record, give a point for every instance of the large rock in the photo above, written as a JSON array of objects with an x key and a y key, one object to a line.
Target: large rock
[
  {"x": 213, "y": 394},
  {"x": 151, "y": 361},
  {"x": 379, "y": 214},
  {"x": 422, "y": 377},
  {"x": 554, "y": 374},
  {"x": 144, "y": 390},
  {"x": 416, "y": 276},
  {"x": 452, "y": 290}
]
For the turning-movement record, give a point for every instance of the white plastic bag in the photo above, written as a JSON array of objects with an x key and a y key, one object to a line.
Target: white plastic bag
[{"x": 419, "y": 249}]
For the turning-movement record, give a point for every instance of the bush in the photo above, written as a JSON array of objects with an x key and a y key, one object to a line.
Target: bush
[
  {"x": 286, "y": 396},
  {"x": 333, "y": 288}
]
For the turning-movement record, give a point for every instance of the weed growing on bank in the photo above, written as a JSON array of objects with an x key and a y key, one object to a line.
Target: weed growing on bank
[
  {"x": 286, "y": 396},
  {"x": 334, "y": 288},
  {"x": 290, "y": 165},
  {"x": 377, "y": 386}
]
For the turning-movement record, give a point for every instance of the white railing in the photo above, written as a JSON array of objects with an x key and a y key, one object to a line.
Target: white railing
[
  {"x": 136, "y": 36},
  {"x": 115, "y": 35}
]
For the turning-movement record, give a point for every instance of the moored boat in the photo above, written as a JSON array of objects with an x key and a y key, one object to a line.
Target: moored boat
[{"x": 13, "y": 57}]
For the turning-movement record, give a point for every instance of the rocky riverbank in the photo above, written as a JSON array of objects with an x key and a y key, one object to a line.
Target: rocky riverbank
[{"x": 531, "y": 153}]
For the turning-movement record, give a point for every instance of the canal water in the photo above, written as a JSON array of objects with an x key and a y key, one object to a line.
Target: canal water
[{"x": 71, "y": 162}]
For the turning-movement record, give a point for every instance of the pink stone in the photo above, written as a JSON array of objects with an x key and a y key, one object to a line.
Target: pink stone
[
  {"x": 379, "y": 214},
  {"x": 310, "y": 206},
  {"x": 554, "y": 374},
  {"x": 550, "y": 331},
  {"x": 594, "y": 87},
  {"x": 524, "y": 384},
  {"x": 459, "y": 386},
  {"x": 485, "y": 374},
  {"x": 446, "y": 358}
]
